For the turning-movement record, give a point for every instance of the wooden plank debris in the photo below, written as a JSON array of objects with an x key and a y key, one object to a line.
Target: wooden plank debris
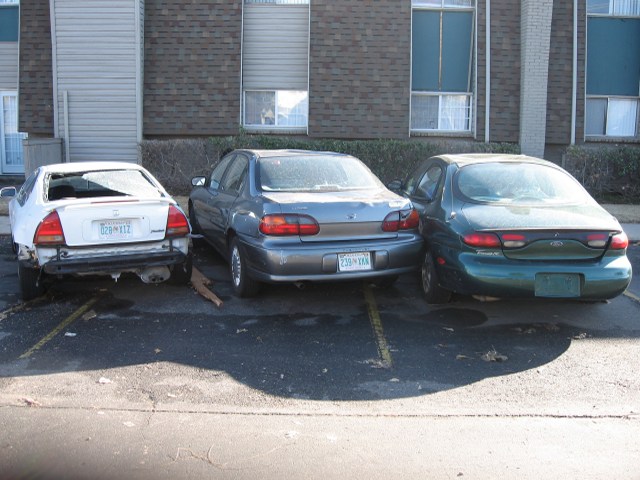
[{"x": 200, "y": 284}]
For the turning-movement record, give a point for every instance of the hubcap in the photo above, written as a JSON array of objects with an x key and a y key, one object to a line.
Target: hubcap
[
  {"x": 236, "y": 266},
  {"x": 426, "y": 276}
]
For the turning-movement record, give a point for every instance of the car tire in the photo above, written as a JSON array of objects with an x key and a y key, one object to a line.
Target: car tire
[
  {"x": 181, "y": 273},
  {"x": 31, "y": 282},
  {"x": 196, "y": 231},
  {"x": 243, "y": 285},
  {"x": 433, "y": 292}
]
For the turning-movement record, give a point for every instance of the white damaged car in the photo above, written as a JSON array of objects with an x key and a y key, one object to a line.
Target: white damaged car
[{"x": 97, "y": 218}]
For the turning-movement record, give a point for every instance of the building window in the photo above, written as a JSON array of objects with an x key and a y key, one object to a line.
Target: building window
[
  {"x": 11, "y": 154},
  {"x": 614, "y": 7},
  {"x": 613, "y": 68},
  {"x": 279, "y": 2},
  {"x": 275, "y": 65},
  {"x": 280, "y": 108},
  {"x": 9, "y": 21},
  {"x": 442, "y": 65}
]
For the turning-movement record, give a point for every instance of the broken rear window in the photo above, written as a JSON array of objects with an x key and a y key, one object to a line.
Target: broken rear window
[{"x": 105, "y": 183}]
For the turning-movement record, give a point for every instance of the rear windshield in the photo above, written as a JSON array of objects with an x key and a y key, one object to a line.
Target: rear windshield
[
  {"x": 519, "y": 183},
  {"x": 106, "y": 183},
  {"x": 314, "y": 173}
]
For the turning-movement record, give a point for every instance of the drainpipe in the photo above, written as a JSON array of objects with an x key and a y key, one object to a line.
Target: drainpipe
[
  {"x": 487, "y": 108},
  {"x": 574, "y": 92}
]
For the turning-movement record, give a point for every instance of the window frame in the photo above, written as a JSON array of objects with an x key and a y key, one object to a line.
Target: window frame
[
  {"x": 469, "y": 118},
  {"x": 608, "y": 97}
]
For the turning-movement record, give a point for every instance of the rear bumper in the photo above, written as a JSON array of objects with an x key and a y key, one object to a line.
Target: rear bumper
[
  {"x": 113, "y": 263},
  {"x": 471, "y": 274},
  {"x": 103, "y": 259},
  {"x": 319, "y": 262}
]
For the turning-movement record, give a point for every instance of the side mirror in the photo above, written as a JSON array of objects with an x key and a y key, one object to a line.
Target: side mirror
[
  {"x": 395, "y": 185},
  {"x": 8, "y": 192},
  {"x": 198, "y": 181}
]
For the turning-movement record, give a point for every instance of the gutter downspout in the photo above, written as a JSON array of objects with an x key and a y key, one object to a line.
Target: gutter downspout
[
  {"x": 487, "y": 108},
  {"x": 574, "y": 91},
  {"x": 54, "y": 67}
]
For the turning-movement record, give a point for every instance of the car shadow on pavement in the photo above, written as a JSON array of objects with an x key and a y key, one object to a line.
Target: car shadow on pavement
[{"x": 317, "y": 344}]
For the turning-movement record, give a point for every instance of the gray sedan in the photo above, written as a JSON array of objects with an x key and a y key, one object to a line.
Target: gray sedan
[{"x": 299, "y": 216}]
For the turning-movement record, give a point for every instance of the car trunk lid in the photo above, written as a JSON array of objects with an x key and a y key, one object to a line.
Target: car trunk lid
[
  {"x": 113, "y": 221},
  {"x": 347, "y": 215},
  {"x": 546, "y": 233}
]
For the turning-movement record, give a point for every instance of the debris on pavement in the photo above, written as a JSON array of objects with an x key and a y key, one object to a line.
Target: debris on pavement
[
  {"x": 70, "y": 334},
  {"x": 493, "y": 356},
  {"x": 104, "y": 380},
  {"x": 31, "y": 402},
  {"x": 200, "y": 284}
]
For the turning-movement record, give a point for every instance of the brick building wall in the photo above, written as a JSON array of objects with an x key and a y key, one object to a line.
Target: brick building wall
[
  {"x": 560, "y": 85},
  {"x": 192, "y": 67},
  {"x": 505, "y": 71},
  {"x": 359, "y": 69},
  {"x": 35, "y": 107}
]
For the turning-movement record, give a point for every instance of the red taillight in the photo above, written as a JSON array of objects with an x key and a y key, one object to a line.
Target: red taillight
[
  {"x": 401, "y": 220},
  {"x": 513, "y": 240},
  {"x": 289, "y": 224},
  {"x": 177, "y": 224},
  {"x": 619, "y": 241},
  {"x": 597, "y": 240},
  {"x": 49, "y": 232},
  {"x": 482, "y": 240}
]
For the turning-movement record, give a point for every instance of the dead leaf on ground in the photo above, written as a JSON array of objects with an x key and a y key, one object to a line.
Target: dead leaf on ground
[{"x": 493, "y": 356}]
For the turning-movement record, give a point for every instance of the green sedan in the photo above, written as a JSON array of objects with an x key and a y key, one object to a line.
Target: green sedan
[{"x": 513, "y": 226}]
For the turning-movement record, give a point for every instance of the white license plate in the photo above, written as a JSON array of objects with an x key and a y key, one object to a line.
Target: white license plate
[
  {"x": 115, "y": 230},
  {"x": 354, "y": 262}
]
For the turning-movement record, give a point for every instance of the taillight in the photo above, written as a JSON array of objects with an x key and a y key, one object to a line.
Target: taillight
[
  {"x": 49, "y": 232},
  {"x": 401, "y": 220},
  {"x": 482, "y": 240},
  {"x": 619, "y": 241},
  {"x": 513, "y": 240},
  {"x": 177, "y": 224},
  {"x": 597, "y": 240},
  {"x": 288, "y": 224}
]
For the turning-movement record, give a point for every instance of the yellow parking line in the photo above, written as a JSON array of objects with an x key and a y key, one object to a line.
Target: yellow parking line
[
  {"x": 65, "y": 323},
  {"x": 376, "y": 323},
  {"x": 632, "y": 296}
]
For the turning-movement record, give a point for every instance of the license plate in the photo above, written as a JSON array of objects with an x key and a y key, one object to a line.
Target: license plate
[
  {"x": 354, "y": 262},
  {"x": 560, "y": 285},
  {"x": 115, "y": 230}
]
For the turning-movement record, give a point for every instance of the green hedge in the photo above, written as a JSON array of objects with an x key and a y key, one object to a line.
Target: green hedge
[
  {"x": 609, "y": 173},
  {"x": 174, "y": 162}
]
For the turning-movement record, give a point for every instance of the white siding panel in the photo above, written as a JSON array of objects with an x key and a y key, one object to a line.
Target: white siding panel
[
  {"x": 276, "y": 47},
  {"x": 96, "y": 49},
  {"x": 9, "y": 65}
]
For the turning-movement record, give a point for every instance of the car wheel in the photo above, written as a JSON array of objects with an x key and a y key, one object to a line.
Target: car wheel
[
  {"x": 433, "y": 292},
  {"x": 181, "y": 273},
  {"x": 31, "y": 282},
  {"x": 243, "y": 284},
  {"x": 195, "y": 227}
]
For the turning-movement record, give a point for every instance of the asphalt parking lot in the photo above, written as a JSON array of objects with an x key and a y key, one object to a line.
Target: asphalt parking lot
[{"x": 114, "y": 358}]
